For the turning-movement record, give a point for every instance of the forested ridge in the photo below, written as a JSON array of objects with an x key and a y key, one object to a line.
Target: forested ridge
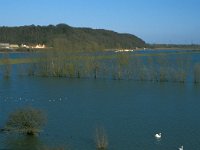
[{"x": 67, "y": 37}]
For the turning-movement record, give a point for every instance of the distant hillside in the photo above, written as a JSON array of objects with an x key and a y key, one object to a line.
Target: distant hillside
[{"x": 65, "y": 37}]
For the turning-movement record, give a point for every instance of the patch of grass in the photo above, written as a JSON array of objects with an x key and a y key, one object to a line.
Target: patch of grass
[{"x": 19, "y": 61}]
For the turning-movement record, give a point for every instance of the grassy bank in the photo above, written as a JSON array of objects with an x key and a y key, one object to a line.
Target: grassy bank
[{"x": 77, "y": 56}]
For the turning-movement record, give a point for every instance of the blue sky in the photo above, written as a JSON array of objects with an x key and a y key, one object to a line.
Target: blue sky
[{"x": 155, "y": 21}]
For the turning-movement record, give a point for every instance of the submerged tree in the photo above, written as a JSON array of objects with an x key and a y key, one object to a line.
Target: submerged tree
[
  {"x": 122, "y": 61},
  {"x": 26, "y": 120}
]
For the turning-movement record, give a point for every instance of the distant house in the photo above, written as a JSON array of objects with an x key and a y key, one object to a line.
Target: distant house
[
  {"x": 40, "y": 46},
  {"x": 24, "y": 46},
  {"x": 5, "y": 45},
  {"x": 14, "y": 46}
]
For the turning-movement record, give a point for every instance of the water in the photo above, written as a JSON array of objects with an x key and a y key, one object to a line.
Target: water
[
  {"x": 18, "y": 55},
  {"x": 130, "y": 112}
]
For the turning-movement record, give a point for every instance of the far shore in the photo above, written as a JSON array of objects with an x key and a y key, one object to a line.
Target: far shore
[
  {"x": 160, "y": 48},
  {"x": 174, "y": 48},
  {"x": 146, "y": 48}
]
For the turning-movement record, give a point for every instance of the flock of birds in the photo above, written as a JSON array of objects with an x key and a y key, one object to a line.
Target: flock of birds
[
  {"x": 159, "y": 135},
  {"x": 24, "y": 99}
]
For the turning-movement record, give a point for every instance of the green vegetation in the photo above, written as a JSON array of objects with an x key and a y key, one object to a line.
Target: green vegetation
[
  {"x": 174, "y": 46},
  {"x": 159, "y": 67},
  {"x": 7, "y": 60},
  {"x": 197, "y": 73},
  {"x": 6, "y": 67},
  {"x": 26, "y": 120},
  {"x": 64, "y": 37}
]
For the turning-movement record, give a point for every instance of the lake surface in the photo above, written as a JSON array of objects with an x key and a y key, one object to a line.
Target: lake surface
[{"x": 131, "y": 113}]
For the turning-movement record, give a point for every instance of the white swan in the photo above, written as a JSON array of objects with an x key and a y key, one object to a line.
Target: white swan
[
  {"x": 158, "y": 135},
  {"x": 181, "y": 148}
]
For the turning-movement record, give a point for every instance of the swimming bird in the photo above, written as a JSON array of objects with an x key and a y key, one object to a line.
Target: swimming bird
[
  {"x": 181, "y": 148},
  {"x": 158, "y": 135}
]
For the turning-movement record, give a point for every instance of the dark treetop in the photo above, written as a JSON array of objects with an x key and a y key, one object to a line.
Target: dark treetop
[{"x": 69, "y": 37}]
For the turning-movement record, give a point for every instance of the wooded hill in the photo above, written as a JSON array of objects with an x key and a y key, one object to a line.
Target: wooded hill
[{"x": 66, "y": 37}]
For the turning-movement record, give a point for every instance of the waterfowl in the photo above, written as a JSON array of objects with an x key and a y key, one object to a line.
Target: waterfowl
[
  {"x": 181, "y": 148},
  {"x": 158, "y": 135}
]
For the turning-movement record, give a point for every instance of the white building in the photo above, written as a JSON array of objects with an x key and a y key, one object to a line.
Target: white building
[
  {"x": 40, "y": 46},
  {"x": 4, "y": 45},
  {"x": 14, "y": 46},
  {"x": 24, "y": 46}
]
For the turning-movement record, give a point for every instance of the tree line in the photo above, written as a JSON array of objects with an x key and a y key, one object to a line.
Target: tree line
[{"x": 62, "y": 36}]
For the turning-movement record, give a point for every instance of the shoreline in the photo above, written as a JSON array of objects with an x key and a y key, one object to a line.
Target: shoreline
[
  {"x": 138, "y": 49},
  {"x": 175, "y": 48},
  {"x": 160, "y": 48}
]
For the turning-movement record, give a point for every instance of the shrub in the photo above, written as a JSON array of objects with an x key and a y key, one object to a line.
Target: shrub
[
  {"x": 26, "y": 120},
  {"x": 101, "y": 139}
]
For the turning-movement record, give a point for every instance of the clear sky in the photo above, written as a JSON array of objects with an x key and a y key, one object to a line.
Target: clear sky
[{"x": 155, "y": 21}]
